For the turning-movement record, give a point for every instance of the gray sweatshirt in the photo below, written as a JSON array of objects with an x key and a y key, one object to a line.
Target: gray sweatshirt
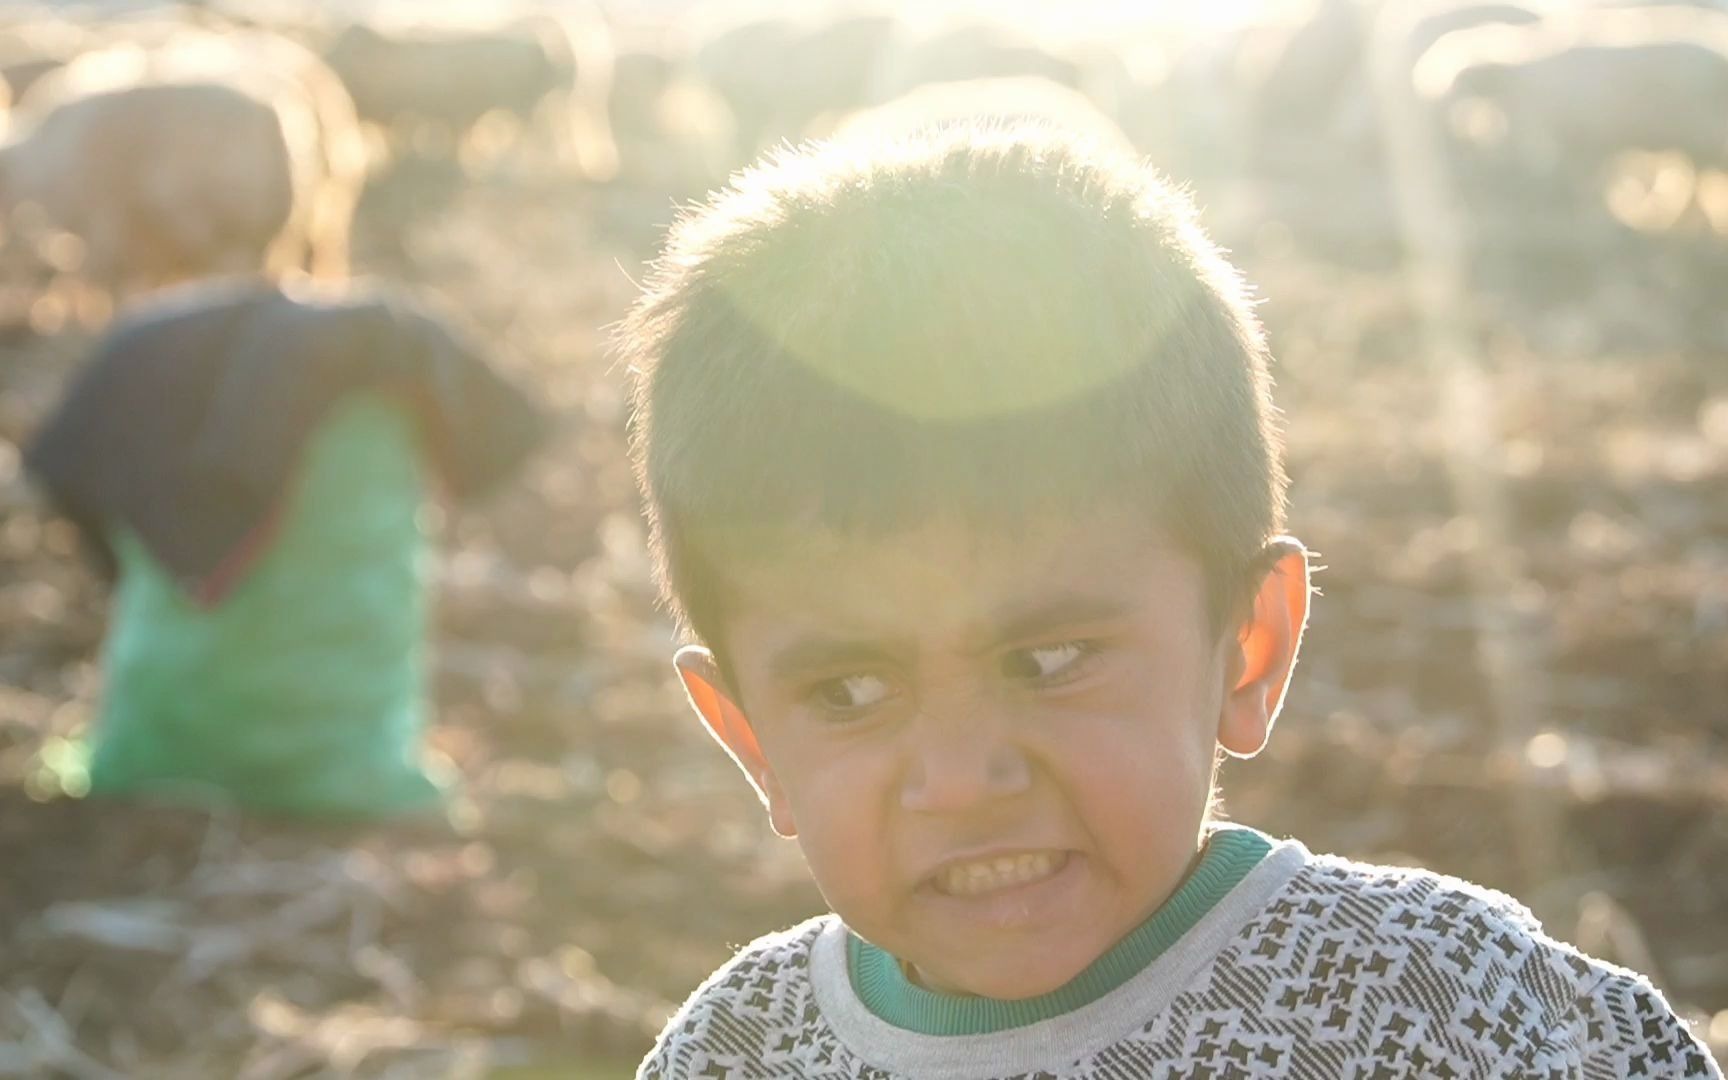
[{"x": 1310, "y": 967}]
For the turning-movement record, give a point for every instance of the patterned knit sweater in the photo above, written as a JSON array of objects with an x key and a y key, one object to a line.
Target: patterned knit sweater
[{"x": 1311, "y": 967}]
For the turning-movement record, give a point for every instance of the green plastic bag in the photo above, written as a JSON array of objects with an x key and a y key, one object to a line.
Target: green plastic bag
[{"x": 303, "y": 691}]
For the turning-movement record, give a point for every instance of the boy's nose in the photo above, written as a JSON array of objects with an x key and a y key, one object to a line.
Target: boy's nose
[{"x": 955, "y": 767}]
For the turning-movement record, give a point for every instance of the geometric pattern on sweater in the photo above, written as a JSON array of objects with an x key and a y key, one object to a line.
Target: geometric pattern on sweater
[{"x": 1329, "y": 969}]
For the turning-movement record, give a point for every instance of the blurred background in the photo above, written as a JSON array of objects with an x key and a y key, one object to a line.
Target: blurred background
[{"x": 1493, "y": 242}]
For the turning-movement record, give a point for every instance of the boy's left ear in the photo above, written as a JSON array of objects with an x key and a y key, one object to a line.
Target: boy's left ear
[
  {"x": 726, "y": 722},
  {"x": 1266, "y": 650}
]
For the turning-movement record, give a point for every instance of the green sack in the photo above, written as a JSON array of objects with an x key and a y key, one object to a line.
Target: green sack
[{"x": 303, "y": 691}]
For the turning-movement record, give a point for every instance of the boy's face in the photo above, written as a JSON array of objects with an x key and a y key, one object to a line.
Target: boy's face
[{"x": 996, "y": 751}]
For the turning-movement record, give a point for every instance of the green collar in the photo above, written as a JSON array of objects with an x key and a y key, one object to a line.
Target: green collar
[{"x": 882, "y": 986}]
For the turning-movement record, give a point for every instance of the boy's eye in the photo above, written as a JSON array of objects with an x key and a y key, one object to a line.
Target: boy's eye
[
  {"x": 851, "y": 692},
  {"x": 1046, "y": 662}
]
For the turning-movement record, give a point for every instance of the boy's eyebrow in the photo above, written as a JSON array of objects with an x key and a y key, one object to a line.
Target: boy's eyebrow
[
  {"x": 817, "y": 653},
  {"x": 820, "y": 653},
  {"x": 1031, "y": 619}
]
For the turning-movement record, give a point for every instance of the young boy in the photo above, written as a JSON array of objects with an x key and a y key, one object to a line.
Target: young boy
[{"x": 961, "y": 465}]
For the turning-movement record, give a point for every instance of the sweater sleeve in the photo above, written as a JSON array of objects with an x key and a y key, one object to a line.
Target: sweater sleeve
[
  {"x": 754, "y": 1017},
  {"x": 1627, "y": 1029},
  {"x": 658, "y": 1064}
]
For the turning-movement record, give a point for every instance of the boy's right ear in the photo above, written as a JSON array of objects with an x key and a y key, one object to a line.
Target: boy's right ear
[{"x": 726, "y": 722}]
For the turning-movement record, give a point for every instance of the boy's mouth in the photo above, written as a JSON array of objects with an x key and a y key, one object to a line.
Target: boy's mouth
[{"x": 992, "y": 873}]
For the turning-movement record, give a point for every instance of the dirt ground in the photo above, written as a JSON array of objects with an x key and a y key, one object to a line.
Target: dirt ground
[{"x": 1517, "y": 674}]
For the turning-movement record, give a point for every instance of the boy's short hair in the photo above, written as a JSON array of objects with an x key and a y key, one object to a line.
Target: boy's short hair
[{"x": 983, "y": 321}]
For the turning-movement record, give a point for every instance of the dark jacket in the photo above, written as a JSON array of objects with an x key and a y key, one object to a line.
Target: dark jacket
[{"x": 188, "y": 421}]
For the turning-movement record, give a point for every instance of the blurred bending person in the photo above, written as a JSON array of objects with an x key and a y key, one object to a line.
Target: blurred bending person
[{"x": 251, "y": 464}]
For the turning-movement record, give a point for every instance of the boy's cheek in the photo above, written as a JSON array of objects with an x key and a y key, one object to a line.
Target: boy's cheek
[
  {"x": 850, "y": 864},
  {"x": 844, "y": 807}
]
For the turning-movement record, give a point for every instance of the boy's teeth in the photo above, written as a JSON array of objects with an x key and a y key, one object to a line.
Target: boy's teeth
[{"x": 987, "y": 875}]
